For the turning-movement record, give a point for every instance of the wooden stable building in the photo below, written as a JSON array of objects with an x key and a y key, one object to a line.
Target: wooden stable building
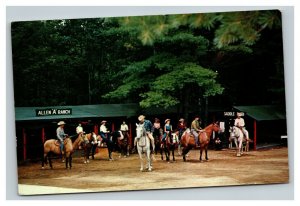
[
  {"x": 34, "y": 125},
  {"x": 266, "y": 124}
]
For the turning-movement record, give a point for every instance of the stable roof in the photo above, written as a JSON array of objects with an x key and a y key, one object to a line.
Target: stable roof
[
  {"x": 264, "y": 112},
  {"x": 80, "y": 111}
]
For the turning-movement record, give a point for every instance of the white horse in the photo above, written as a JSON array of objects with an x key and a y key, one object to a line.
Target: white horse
[
  {"x": 143, "y": 145},
  {"x": 237, "y": 135}
]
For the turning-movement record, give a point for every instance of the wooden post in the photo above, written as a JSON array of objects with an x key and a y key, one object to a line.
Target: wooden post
[
  {"x": 130, "y": 135},
  {"x": 43, "y": 135},
  {"x": 112, "y": 127},
  {"x": 24, "y": 144},
  {"x": 254, "y": 136},
  {"x": 96, "y": 129}
]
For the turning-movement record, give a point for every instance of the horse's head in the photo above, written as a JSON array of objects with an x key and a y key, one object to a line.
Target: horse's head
[
  {"x": 216, "y": 127},
  {"x": 174, "y": 137},
  {"x": 235, "y": 131},
  {"x": 140, "y": 130}
]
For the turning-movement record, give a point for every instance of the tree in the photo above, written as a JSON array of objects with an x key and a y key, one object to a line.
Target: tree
[{"x": 165, "y": 77}]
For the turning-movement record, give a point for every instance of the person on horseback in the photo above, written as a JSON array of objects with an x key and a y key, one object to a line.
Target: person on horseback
[
  {"x": 181, "y": 127},
  {"x": 103, "y": 131},
  {"x": 79, "y": 129},
  {"x": 240, "y": 123},
  {"x": 124, "y": 129},
  {"x": 195, "y": 128},
  {"x": 167, "y": 130},
  {"x": 156, "y": 127},
  {"x": 60, "y": 133},
  {"x": 148, "y": 128}
]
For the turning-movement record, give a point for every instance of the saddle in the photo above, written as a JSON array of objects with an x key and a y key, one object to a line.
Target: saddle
[
  {"x": 142, "y": 141},
  {"x": 57, "y": 142}
]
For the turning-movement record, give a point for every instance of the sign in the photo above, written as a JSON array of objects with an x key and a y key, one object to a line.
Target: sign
[
  {"x": 233, "y": 114},
  {"x": 50, "y": 112},
  {"x": 229, "y": 114}
]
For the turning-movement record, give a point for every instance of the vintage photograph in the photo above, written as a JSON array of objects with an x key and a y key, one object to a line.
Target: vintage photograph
[{"x": 149, "y": 102}]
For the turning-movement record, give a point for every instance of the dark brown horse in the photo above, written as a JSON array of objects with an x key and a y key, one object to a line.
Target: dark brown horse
[
  {"x": 170, "y": 144},
  {"x": 123, "y": 143},
  {"x": 204, "y": 138},
  {"x": 89, "y": 143}
]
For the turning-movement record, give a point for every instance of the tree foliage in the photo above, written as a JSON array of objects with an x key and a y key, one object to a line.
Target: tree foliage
[{"x": 161, "y": 61}]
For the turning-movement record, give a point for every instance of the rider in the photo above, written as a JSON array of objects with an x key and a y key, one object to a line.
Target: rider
[
  {"x": 60, "y": 133},
  {"x": 195, "y": 128},
  {"x": 156, "y": 127},
  {"x": 240, "y": 123},
  {"x": 103, "y": 131},
  {"x": 148, "y": 127},
  {"x": 124, "y": 129},
  {"x": 181, "y": 127},
  {"x": 79, "y": 129},
  {"x": 80, "y": 132},
  {"x": 167, "y": 130}
]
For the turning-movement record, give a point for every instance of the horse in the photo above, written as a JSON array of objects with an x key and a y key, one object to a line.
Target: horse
[
  {"x": 187, "y": 142},
  {"x": 110, "y": 143},
  {"x": 143, "y": 145},
  {"x": 204, "y": 138},
  {"x": 238, "y": 136},
  {"x": 90, "y": 142},
  {"x": 123, "y": 143},
  {"x": 157, "y": 135},
  {"x": 53, "y": 145},
  {"x": 170, "y": 145}
]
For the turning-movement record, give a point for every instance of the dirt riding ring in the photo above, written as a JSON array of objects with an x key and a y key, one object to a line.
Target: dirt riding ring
[{"x": 224, "y": 168}]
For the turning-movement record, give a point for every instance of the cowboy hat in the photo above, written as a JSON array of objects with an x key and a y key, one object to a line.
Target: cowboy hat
[
  {"x": 103, "y": 121},
  {"x": 141, "y": 117},
  {"x": 167, "y": 120},
  {"x": 239, "y": 114},
  {"x": 61, "y": 123},
  {"x": 181, "y": 120}
]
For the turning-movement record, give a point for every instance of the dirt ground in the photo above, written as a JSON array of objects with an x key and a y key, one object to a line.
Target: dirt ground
[{"x": 223, "y": 168}]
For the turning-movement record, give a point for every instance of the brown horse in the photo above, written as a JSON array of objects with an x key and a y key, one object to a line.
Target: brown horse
[
  {"x": 187, "y": 142},
  {"x": 53, "y": 146},
  {"x": 123, "y": 144},
  {"x": 170, "y": 144},
  {"x": 204, "y": 138},
  {"x": 89, "y": 143}
]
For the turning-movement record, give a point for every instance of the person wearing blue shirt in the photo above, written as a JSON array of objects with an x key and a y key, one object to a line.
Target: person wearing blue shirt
[{"x": 148, "y": 127}]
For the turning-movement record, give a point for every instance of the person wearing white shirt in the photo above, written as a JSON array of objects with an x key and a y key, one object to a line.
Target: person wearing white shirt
[
  {"x": 103, "y": 130},
  {"x": 240, "y": 123},
  {"x": 79, "y": 129},
  {"x": 124, "y": 127}
]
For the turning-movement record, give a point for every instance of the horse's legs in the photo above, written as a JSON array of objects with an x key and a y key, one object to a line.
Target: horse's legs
[
  {"x": 70, "y": 161},
  {"x": 141, "y": 159},
  {"x": 93, "y": 150},
  {"x": 206, "y": 156},
  {"x": 173, "y": 149},
  {"x": 127, "y": 149},
  {"x": 67, "y": 161},
  {"x": 201, "y": 150},
  {"x": 50, "y": 161},
  {"x": 44, "y": 160},
  {"x": 179, "y": 149},
  {"x": 161, "y": 153},
  {"x": 110, "y": 152},
  {"x": 149, "y": 160},
  {"x": 240, "y": 145}
]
